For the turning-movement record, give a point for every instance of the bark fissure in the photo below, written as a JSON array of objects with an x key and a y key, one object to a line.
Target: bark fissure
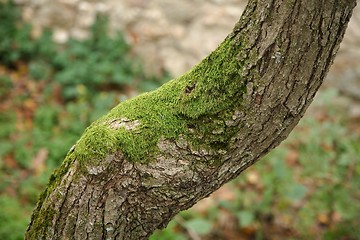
[{"x": 160, "y": 153}]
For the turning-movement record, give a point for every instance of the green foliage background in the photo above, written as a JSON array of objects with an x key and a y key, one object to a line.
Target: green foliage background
[
  {"x": 48, "y": 95},
  {"x": 307, "y": 188}
]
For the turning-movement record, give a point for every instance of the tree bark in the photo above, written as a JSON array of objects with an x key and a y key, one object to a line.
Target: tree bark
[{"x": 155, "y": 155}]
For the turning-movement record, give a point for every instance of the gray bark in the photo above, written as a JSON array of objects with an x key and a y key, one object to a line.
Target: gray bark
[{"x": 231, "y": 109}]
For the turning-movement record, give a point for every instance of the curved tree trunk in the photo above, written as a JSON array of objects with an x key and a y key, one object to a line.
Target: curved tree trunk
[{"x": 157, "y": 154}]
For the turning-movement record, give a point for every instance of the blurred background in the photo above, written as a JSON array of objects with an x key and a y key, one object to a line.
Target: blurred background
[{"x": 64, "y": 63}]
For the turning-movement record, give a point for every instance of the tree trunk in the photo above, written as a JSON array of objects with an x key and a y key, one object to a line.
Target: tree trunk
[{"x": 161, "y": 152}]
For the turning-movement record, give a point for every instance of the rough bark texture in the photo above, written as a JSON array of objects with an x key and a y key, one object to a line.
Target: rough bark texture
[{"x": 160, "y": 153}]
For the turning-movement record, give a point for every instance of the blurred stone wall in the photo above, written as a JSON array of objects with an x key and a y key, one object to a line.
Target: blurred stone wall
[
  {"x": 345, "y": 72},
  {"x": 168, "y": 35},
  {"x": 174, "y": 35}
]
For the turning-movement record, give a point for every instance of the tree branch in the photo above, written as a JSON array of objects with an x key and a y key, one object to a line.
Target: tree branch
[{"x": 157, "y": 154}]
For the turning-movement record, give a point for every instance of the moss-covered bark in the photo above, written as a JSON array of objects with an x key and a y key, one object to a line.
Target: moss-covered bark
[{"x": 161, "y": 152}]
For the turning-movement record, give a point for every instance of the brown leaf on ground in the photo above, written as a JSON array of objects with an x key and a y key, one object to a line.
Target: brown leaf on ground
[
  {"x": 292, "y": 157},
  {"x": 10, "y": 162},
  {"x": 323, "y": 219},
  {"x": 22, "y": 68}
]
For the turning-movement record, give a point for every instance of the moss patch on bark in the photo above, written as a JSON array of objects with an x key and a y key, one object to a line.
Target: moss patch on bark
[{"x": 195, "y": 105}]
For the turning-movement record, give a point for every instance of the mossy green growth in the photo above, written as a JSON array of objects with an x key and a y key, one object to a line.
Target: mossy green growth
[
  {"x": 217, "y": 82},
  {"x": 97, "y": 141},
  {"x": 157, "y": 116},
  {"x": 48, "y": 213},
  {"x": 210, "y": 91},
  {"x": 41, "y": 224}
]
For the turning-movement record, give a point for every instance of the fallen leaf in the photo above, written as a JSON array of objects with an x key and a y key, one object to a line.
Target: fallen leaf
[
  {"x": 253, "y": 177},
  {"x": 292, "y": 157},
  {"x": 10, "y": 162},
  {"x": 323, "y": 219}
]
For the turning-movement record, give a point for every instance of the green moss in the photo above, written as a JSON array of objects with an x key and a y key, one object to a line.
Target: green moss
[
  {"x": 40, "y": 226},
  {"x": 97, "y": 141},
  {"x": 194, "y": 105},
  {"x": 48, "y": 213},
  {"x": 218, "y": 82}
]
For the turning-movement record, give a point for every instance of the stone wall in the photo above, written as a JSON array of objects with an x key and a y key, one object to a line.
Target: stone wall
[{"x": 172, "y": 35}]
